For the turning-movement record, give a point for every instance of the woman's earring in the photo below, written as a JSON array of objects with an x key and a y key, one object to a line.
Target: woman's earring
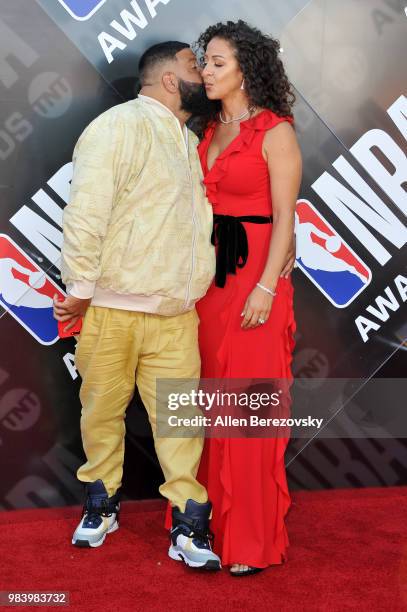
[{"x": 242, "y": 85}]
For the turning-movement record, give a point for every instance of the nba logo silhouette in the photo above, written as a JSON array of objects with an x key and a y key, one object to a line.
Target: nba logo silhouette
[
  {"x": 327, "y": 259},
  {"x": 26, "y": 292},
  {"x": 82, "y": 9}
]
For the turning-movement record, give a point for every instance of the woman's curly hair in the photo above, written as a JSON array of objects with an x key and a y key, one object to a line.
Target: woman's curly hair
[{"x": 266, "y": 82}]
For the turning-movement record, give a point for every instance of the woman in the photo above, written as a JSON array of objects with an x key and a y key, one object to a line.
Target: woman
[{"x": 252, "y": 167}]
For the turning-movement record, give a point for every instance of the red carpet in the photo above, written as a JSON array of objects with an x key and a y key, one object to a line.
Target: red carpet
[{"x": 348, "y": 551}]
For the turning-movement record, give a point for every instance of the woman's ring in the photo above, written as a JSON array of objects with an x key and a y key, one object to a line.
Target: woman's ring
[{"x": 261, "y": 321}]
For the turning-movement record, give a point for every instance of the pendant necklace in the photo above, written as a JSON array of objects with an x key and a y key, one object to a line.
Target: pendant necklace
[{"x": 249, "y": 110}]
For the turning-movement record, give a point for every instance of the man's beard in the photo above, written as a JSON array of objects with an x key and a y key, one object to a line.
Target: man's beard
[{"x": 194, "y": 99}]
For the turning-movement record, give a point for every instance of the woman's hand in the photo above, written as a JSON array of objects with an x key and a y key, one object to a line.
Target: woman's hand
[{"x": 257, "y": 308}]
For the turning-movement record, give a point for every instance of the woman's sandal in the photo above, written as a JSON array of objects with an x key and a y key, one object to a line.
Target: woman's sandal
[{"x": 248, "y": 572}]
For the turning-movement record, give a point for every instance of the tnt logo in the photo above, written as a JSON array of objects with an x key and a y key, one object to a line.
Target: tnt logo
[
  {"x": 26, "y": 292},
  {"x": 326, "y": 259},
  {"x": 82, "y": 9}
]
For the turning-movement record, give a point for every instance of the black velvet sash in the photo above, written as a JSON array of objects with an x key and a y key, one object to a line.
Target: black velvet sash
[{"x": 229, "y": 235}]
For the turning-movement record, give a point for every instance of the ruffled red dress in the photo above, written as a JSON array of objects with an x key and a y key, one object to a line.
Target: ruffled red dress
[{"x": 245, "y": 477}]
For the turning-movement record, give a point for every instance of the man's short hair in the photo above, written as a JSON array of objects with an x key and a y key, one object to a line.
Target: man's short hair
[{"x": 156, "y": 54}]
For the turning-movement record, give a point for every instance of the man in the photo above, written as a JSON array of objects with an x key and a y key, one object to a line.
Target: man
[{"x": 136, "y": 257}]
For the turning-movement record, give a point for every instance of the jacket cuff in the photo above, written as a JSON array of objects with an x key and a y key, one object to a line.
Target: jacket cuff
[{"x": 82, "y": 289}]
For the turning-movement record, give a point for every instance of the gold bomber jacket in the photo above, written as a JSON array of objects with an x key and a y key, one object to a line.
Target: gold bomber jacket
[{"x": 138, "y": 222}]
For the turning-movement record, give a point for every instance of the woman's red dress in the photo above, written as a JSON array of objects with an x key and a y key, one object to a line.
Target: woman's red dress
[{"x": 245, "y": 477}]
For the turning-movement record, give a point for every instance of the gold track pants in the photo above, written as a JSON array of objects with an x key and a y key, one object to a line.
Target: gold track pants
[{"x": 118, "y": 349}]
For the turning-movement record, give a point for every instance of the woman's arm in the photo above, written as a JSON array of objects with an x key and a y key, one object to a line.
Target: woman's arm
[{"x": 283, "y": 156}]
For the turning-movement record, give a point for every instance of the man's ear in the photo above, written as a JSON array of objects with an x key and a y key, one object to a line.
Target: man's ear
[{"x": 170, "y": 82}]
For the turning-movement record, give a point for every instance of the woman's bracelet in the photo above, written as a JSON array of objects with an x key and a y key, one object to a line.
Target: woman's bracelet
[{"x": 270, "y": 291}]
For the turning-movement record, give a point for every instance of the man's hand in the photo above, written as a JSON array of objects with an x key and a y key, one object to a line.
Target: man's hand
[
  {"x": 70, "y": 309},
  {"x": 290, "y": 262}
]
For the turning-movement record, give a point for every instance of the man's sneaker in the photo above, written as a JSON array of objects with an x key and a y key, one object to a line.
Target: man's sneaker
[
  {"x": 190, "y": 536},
  {"x": 100, "y": 516}
]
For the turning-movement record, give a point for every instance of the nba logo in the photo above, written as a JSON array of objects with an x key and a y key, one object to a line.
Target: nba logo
[
  {"x": 82, "y": 9},
  {"x": 327, "y": 259},
  {"x": 26, "y": 292}
]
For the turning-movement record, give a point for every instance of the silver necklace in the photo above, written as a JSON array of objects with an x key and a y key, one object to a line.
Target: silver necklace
[{"x": 249, "y": 110}]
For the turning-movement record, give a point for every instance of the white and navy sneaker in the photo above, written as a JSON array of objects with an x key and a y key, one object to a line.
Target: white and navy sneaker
[
  {"x": 191, "y": 538},
  {"x": 100, "y": 516}
]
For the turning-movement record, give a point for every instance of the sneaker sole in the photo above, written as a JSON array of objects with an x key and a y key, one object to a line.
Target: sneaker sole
[
  {"x": 87, "y": 544},
  {"x": 210, "y": 565}
]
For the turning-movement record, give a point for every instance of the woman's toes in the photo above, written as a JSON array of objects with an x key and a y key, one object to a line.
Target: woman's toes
[{"x": 238, "y": 567}]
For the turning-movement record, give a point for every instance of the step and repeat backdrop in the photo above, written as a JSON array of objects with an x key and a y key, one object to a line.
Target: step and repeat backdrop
[{"x": 62, "y": 63}]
